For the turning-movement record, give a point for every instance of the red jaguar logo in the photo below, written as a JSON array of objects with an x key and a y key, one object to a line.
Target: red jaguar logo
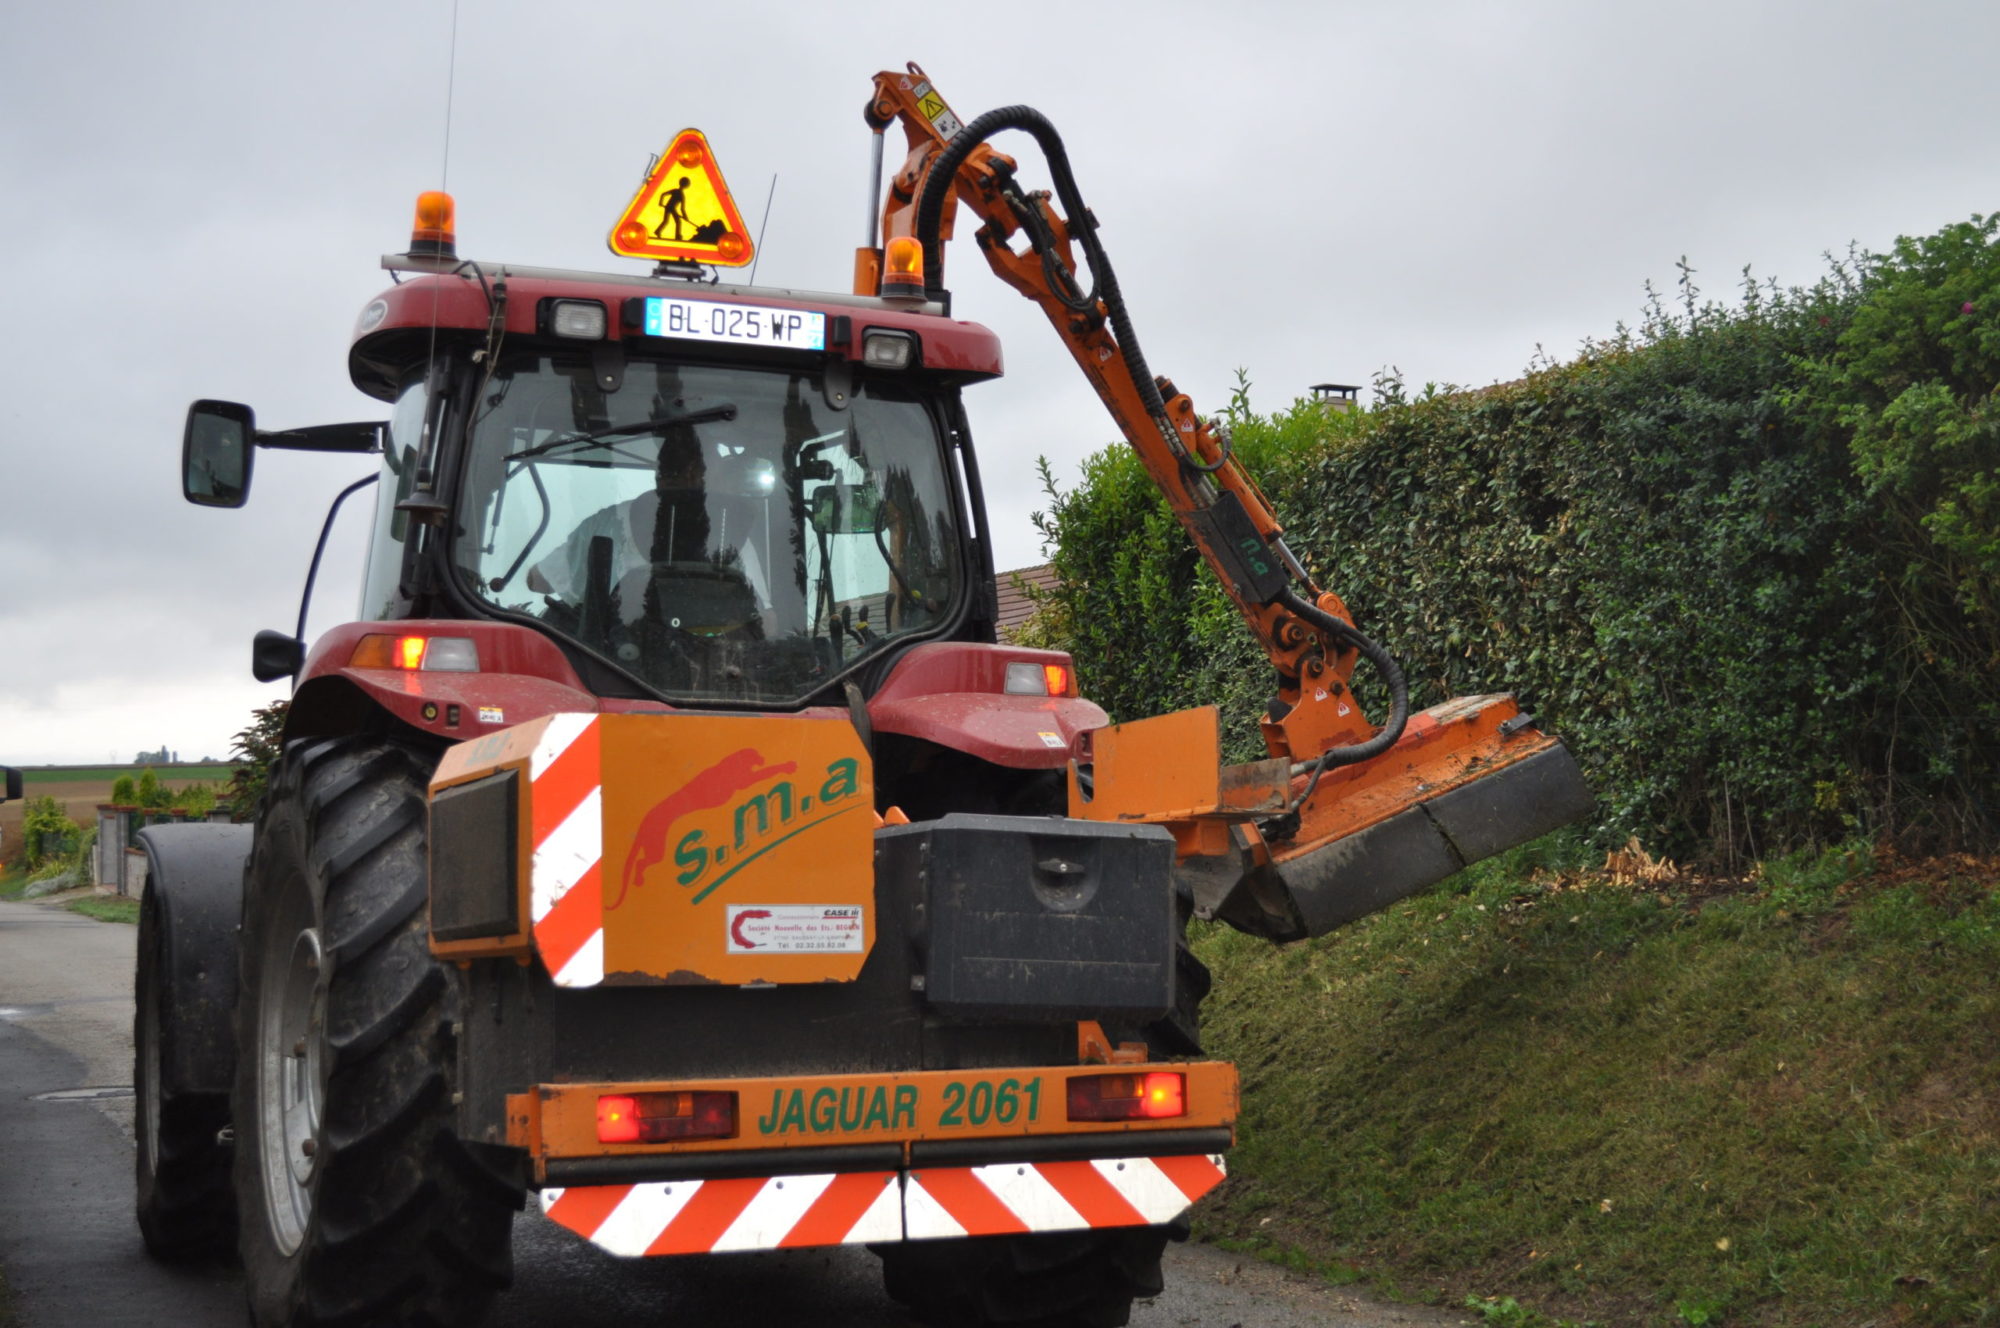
[{"x": 713, "y": 787}]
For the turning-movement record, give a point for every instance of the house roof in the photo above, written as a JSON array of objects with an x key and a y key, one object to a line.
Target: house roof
[{"x": 1015, "y": 606}]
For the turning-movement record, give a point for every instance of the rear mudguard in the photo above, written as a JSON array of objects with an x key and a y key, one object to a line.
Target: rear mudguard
[
  {"x": 195, "y": 875},
  {"x": 951, "y": 693},
  {"x": 522, "y": 675}
]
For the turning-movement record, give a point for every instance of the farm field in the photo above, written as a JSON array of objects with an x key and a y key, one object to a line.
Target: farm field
[
  {"x": 81, "y": 788},
  {"x": 33, "y": 776}
]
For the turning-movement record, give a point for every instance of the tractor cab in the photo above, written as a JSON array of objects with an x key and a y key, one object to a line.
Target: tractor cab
[{"x": 704, "y": 494}]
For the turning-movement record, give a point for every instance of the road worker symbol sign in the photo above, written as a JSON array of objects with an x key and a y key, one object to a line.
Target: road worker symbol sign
[{"x": 684, "y": 212}]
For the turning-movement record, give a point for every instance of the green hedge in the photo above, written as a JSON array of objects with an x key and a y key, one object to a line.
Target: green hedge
[{"x": 1744, "y": 558}]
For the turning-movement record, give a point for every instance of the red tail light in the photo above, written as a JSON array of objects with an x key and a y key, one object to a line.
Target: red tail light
[
  {"x": 1159, "y": 1095},
  {"x": 651, "y": 1118}
]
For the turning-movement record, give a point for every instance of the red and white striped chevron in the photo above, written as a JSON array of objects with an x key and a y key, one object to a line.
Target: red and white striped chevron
[
  {"x": 567, "y": 814},
  {"x": 753, "y": 1213},
  {"x": 878, "y": 1207},
  {"x": 1007, "y": 1198}
]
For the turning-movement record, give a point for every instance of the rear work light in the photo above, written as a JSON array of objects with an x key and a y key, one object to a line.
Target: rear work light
[
  {"x": 652, "y": 1118},
  {"x": 1025, "y": 678},
  {"x": 436, "y": 654},
  {"x": 580, "y": 320},
  {"x": 1159, "y": 1095},
  {"x": 887, "y": 350}
]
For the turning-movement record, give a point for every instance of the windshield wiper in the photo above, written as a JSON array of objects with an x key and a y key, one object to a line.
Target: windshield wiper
[{"x": 726, "y": 411}]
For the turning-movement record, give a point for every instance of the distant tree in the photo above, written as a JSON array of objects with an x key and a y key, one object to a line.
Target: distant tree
[
  {"x": 48, "y": 830},
  {"x": 195, "y": 799},
  {"x": 256, "y": 746}
]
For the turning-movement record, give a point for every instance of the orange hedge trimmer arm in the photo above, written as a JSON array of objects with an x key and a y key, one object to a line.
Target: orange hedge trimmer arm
[{"x": 1313, "y": 671}]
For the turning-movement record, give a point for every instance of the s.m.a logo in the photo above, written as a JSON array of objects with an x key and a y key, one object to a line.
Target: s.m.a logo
[{"x": 732, "y": 813}]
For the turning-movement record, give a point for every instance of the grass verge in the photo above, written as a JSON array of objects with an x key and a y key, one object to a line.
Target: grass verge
[
  {"x": 107, "y": 908},
  {"x": 12, "y": 883},
  {"x": 84, "y": 774},
  {"x": 1765, "y": 1102}
]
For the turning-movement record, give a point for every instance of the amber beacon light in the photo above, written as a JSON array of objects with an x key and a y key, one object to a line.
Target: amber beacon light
[
  {"x": 903, "y": 268},
  {"x": 434, "y": 233}
]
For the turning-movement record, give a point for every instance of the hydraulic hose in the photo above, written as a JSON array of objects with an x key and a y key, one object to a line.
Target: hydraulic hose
[
  {"x": 930, "y": 214},
  {"x": 1083, "y": 229},
  {"x": 1385, "y": 664}
]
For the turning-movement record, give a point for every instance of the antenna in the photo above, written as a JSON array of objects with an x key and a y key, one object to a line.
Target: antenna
[
  {"x": 450, "y": 84},
  {"x": 758, "y": 257},
  {"x": 444, "y": 172}
]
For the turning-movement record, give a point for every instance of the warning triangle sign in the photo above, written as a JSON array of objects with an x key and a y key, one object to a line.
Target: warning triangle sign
[{"x": 684, "y": 211}]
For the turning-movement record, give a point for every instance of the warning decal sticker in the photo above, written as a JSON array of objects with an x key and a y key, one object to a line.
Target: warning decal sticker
[
  {"x": 795, "y": 928},
  {"x": 939, "y": 114}
]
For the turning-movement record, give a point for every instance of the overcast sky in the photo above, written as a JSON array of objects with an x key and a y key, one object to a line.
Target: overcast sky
[{"x": 197, "y": 194}]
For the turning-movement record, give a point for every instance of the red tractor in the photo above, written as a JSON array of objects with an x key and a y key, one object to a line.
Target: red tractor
[{"x": 671, "y": 840}]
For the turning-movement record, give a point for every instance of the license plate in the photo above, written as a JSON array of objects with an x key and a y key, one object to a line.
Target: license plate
[
  {"x": 929, "y": 1107},
  {"x": 736, "y": 324}
]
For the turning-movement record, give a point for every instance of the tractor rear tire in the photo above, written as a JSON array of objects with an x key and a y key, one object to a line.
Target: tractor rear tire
[
  {"x": 359, "y": 1206},
  {"x": 187, "y": 1211},
  {"x": 1064, "y": 1279}
]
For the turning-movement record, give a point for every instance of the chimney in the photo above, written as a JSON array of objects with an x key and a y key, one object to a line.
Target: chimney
[{"x": 1336, "y": 396}]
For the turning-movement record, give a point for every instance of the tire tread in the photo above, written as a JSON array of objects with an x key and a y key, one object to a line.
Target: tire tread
[{"x": 401, "y": 1235}]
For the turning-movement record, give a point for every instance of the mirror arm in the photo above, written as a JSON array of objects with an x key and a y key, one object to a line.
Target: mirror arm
[
  {"x": 326, "y": 529},
  {"x": 364, "y": 436}
]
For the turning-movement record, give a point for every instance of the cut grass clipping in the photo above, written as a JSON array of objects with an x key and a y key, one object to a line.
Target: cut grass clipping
[{"x": 1773, "y": 1101}]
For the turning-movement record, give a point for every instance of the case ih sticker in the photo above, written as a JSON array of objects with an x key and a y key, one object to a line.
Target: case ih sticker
[
  {"x": 795, "y": 928},
  {"x": 789, "y": 1212}
]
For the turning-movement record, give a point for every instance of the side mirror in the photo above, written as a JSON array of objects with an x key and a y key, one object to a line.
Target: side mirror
[
  {"x": 845, "y": 509},
  {"x": 13, "y": 784},
  {"x": 275, "y": 655},
  {"x": 215, "y": 453}
]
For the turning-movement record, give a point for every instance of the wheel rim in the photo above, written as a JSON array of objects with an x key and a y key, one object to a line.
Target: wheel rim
[{"x": 291, "y": 1070}]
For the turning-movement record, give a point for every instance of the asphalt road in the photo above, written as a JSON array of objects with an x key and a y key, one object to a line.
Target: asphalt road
[{"x": 71, "y": 1253}]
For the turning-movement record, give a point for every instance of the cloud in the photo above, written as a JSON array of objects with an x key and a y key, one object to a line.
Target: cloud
[{"x": 198, "y": 194}]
